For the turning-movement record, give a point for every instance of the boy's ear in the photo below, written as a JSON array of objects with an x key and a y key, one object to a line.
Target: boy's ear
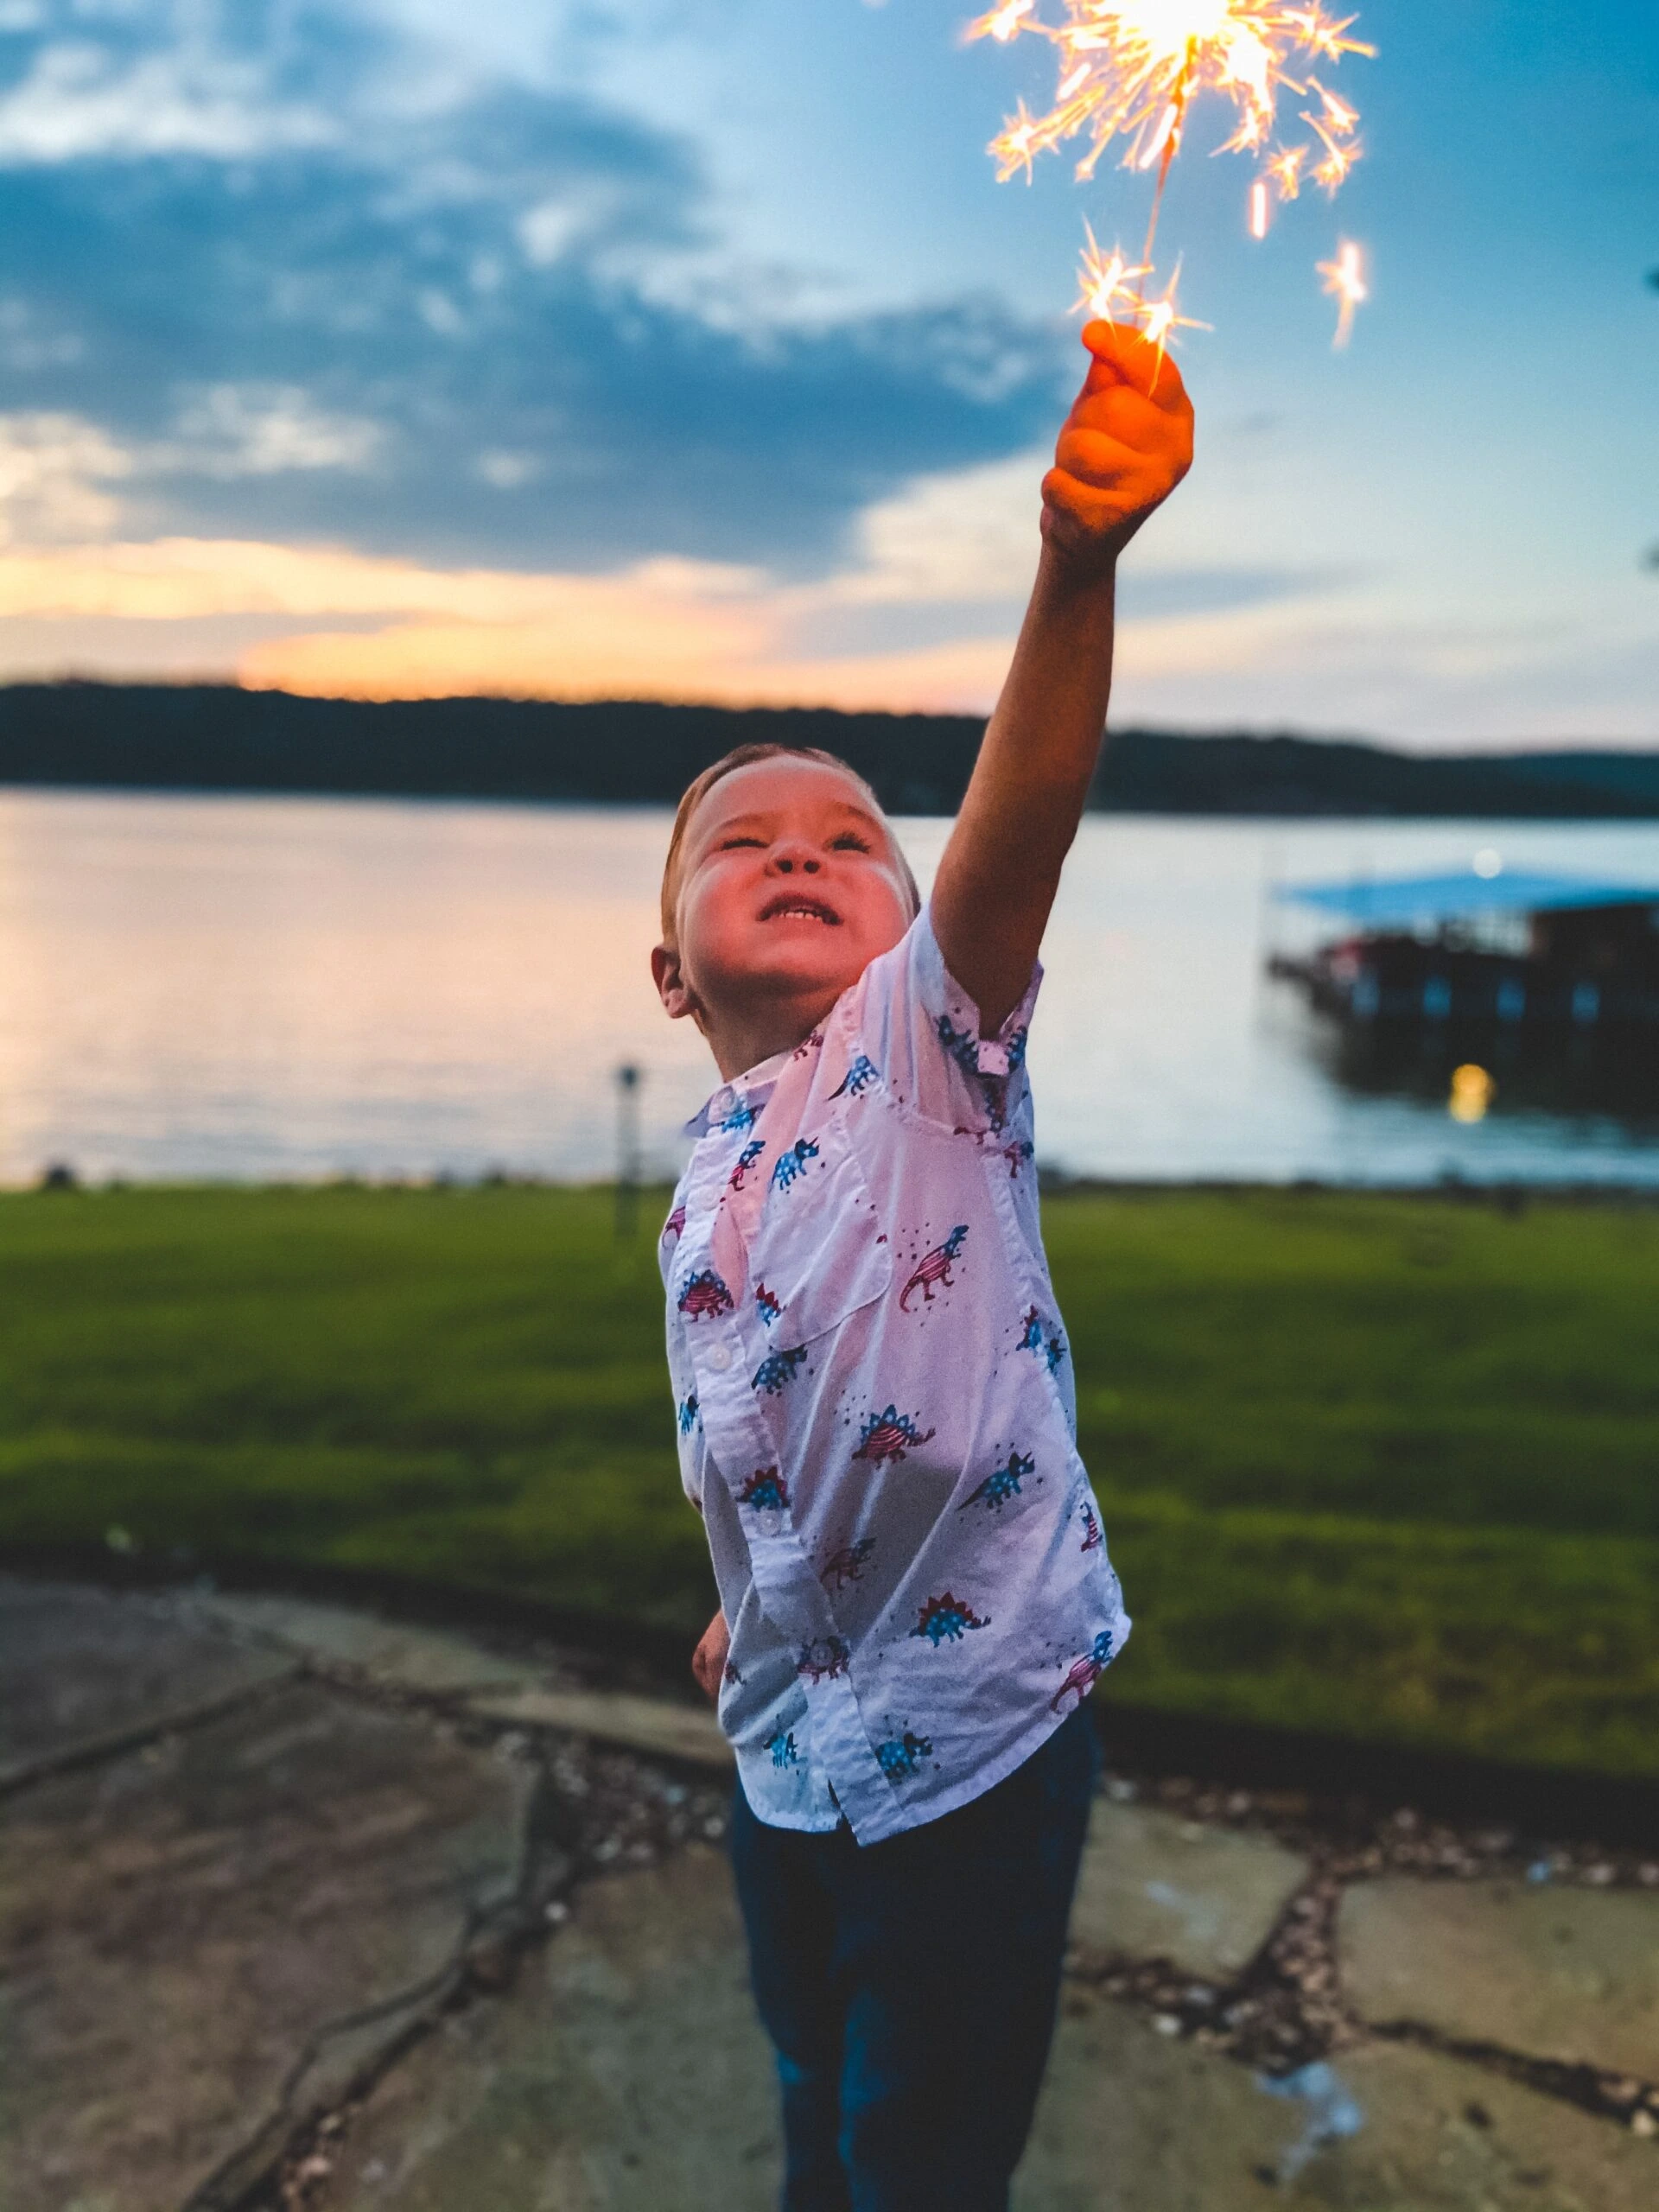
[{"x": 672, "y": 989}]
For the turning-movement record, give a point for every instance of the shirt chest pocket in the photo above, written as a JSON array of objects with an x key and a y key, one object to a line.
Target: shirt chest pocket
[{"x": 818, "y": 1251}]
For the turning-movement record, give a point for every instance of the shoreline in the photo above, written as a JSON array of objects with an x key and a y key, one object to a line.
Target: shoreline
[{"x": 1506, "y": 1194}]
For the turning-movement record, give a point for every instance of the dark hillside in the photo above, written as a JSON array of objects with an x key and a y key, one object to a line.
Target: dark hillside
[{"x": 204, "y": 737}]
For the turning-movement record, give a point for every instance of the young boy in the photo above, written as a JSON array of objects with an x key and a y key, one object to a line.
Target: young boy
[{"x": 875, "y": 1406}]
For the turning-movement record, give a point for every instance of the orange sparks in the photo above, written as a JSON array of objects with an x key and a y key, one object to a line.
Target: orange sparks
[
  {"x": 1003, "y": 23},
  {"x": 1130, "y": 69},
  {"x": 1284, "y": 171},
  {"x": 1159, "y": 320},
  {"x": 1108, "y": 283},
  {"x": 1130, "y": 72},
  {"x": 1345, "y": 280}
]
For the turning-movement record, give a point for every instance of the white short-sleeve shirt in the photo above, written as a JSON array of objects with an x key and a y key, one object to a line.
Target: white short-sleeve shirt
[{"x": 876, "y": 1413}]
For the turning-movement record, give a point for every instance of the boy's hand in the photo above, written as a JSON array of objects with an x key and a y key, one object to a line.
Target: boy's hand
[
  {"x": 709, "y": 1659},
  {"x": 1126, "y": 444}
]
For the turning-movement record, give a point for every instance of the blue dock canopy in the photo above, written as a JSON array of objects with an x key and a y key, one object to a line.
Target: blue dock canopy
[{"x": 1408, "y": 899}]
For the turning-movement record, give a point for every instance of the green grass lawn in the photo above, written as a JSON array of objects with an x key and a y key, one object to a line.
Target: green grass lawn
[{"x": 1379, "y": 1466}]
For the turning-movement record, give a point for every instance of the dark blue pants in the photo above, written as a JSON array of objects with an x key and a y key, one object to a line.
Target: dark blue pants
[{"x": 911, "y": 1987}]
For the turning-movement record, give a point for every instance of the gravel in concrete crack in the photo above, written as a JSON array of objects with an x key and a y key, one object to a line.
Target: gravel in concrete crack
[
  {"x": 1287, "y": 2009},
  {"x": 1356, "y": 1839},
  {"x": 600, "y": 1811}
]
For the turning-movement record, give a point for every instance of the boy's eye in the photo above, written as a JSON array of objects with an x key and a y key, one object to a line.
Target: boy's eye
[
  {"x": 730, "y": 844},
  {"x": 850, "y": 841}
]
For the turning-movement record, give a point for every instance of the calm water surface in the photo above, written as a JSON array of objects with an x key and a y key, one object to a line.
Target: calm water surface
[{"x": 284, "y": 988}]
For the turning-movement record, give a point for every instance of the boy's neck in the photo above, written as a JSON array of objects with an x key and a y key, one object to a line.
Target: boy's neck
[{"x": 741, "y": 1040}]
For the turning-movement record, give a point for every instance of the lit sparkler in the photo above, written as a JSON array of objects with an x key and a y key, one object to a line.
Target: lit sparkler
[{"x": 1130, "y": 70}]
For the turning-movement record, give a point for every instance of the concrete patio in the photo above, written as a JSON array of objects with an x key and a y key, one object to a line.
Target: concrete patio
[{"x": 301, "y": 1907}]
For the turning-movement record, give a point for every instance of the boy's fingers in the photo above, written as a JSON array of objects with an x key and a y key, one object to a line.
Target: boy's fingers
[
  {"x": 1098, "y": 458},
  {"x": 1125, "y": 413},
  {"x": 1120, "y": 347},
  {"x": 1116, "y": 499}
]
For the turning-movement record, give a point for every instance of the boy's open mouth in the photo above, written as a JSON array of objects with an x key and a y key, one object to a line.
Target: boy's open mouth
[{"x": 796, "y": 903}]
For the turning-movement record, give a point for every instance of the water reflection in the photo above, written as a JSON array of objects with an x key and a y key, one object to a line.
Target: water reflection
[{"x": 267, "y": 988}]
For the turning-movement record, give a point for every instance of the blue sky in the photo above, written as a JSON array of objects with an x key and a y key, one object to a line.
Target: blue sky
[{"x": 388, "y": 346}]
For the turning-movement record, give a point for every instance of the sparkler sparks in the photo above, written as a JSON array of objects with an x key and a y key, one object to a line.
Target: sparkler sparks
[
  {"x": 1107, "y": 280},
  {"x": 1159, "y": 320},
  {"x": 1129, "y": 72},
  {"x": 1344, "y": 279}
]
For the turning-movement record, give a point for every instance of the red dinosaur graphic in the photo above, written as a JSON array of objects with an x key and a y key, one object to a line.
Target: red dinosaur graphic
[
  {"x": 704, "y": 1295},
  {"x": 888, "y": 1435},
  {"x": 1085, "y": 1672},
  {"x": 936, "y": 1268},
  {"x": 766, "y": 1490}
]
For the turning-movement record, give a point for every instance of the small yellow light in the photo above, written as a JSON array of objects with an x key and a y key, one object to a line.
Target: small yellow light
[{"x": 1473, "y": 1092}]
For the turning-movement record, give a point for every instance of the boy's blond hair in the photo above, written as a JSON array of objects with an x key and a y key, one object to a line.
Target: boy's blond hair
[{"x": 739, "y": 757}]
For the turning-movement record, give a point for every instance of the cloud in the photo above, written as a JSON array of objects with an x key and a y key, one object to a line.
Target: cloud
[
  {"x": 229, "y": 431},
  {"x": 54, "y": 472},
  {"x": 80, "y": 100},
  {"x": 259, "y": 246}
]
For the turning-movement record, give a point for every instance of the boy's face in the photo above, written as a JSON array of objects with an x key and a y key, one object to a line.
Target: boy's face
[{"x": 789, "y": 886}]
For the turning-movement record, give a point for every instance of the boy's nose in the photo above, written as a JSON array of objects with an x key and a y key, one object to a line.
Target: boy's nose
[{"x": 787, "y": 860}]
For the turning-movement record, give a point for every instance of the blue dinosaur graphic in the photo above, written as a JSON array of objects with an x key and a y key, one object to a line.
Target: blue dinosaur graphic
[
  {"x": 777, "y": 1369},
  {"x": 946, "y": 1619},
  {"x": 899, "y": 1759},
  {"x": 1002, "y": 1484},
  {"x": 688, "y": 1414},
  {"x": 858, "y": 1078},
  {"x": 745, "y": 1159},
  {"x": 792, "y": 1165},
  {"x": 782, "y": 1747},
  {"x": 960, "y": 1044}
]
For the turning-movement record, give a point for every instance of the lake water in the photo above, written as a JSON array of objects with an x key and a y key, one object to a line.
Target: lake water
[{"x": 284, "y": 988}]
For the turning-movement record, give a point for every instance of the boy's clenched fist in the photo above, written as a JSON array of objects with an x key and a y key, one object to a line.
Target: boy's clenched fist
[{"x": 1126, "y": 445}]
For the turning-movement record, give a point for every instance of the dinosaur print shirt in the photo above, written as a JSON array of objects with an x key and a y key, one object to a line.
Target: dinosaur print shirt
[{"x": 876, "y": 1415}]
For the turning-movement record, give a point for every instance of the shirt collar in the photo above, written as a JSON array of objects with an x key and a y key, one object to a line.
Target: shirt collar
[{"x": 736, "y": 1105}]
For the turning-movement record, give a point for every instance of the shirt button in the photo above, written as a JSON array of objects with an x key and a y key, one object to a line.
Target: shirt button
[{"x": 719, "y": 1358}]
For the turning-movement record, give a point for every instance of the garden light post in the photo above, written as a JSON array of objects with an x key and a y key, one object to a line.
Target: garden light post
[{"x": 627, "y": 1150}]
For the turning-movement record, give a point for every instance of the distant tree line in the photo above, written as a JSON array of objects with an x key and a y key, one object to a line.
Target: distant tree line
[{"x": 218, "y": 738}]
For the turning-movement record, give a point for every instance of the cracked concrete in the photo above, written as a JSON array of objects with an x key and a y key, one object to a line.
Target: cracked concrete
[
  {"x": 303, "y": 1908},
  {"x": 1153, "y": 1885},
  {"x": 182, "y": 1923},
  {"x": 84, "y": 1673},
  {"x": 1568, "y": 1974}
]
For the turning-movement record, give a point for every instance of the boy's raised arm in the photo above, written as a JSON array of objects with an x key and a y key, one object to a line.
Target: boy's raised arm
[{"x": 1127, "y": 443}]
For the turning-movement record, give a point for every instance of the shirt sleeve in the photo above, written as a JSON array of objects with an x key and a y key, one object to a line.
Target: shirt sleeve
[{"x": 920, "y": 1029}]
